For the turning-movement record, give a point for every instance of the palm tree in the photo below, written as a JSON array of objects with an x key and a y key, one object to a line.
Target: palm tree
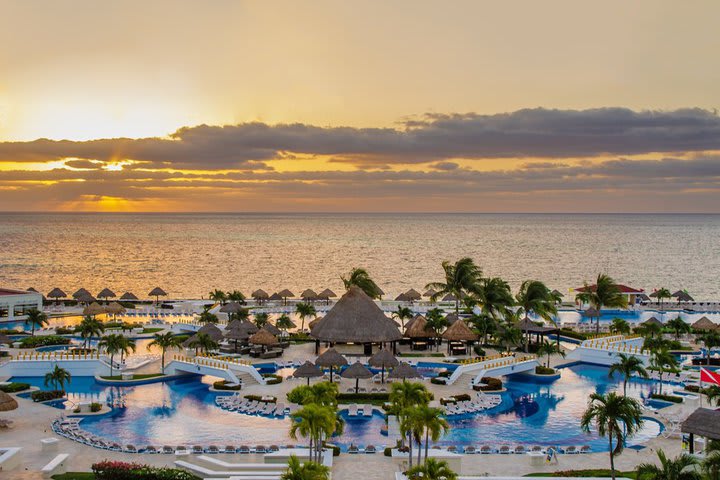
[
  {"x": 361, "y": 279},
  {"x": 713, "y": 394},
  {"x": 710, "y": 340},
  {"x": 462, "y": 277},
  {"x": 204, "y": 343},
  {"x": 112, "y": 344},
  {"x": 711, "y": 465},
  {"x": 485, "y": 324},
  {"x": 283, "y": 322},
  {"x": 536, "y": 298},
  {"x": 90, "y": 327},
  {"x": 615, "y": 417},
  {"x": 304, "y": 471},
  {"x": 261, "y": 319},
  {"x": 679, "y": 326},
  {"x": 605, "y": 293},
  {"x": 164, "y": 341},
  {"x": 509, "y": 336},
  {"x": 402, "y": 314},
  {"x": 661, "y": 295},
  {"x": 627, "y": 366},
  {"x": 411, "y": 426},
  {"x": 35, "y": 318},
  {"x": 314, "y": 422},
  {"x": 649, "y": 330},
  {"x": 303, "y": 311},
  {"x": 432, "y": 470},
  {"x": 662, "y": 359},
  {"x": 432, "y": 421},
  {"x": 236, "y": 296},
  {"x": 57, "y": 377},
  {"x": 207, "y": 317},
  {"x": 619, "y": 326},
  {"x": 681, "y": 467},
  {"x": 495, "y": 296},
  {"x": 403, "y": 396},
  {"x": 437, "y": 323},
  {"x": 547, "y": 348},
  {"x": 127, "y": 345},
  {"x": 218, "y": 296}
]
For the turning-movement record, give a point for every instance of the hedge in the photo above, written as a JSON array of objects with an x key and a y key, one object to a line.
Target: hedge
[
  {"x": 566, "y": 332},
  {"x": 492, "y": 384},
  {"x": 222, "y": 385},
  {"x": 272, "y": 379},
  {"x": 43, "y": 341},
  {"x": 45, "y": 395},
  {"x": 95, "y": 407},
  {"x": 14, "y": 387},
  {"x": 384, "y": 397},
  {"x": 110, "y": 470},
  {"x": 542, "y": 370},
  {"x": 667, "y": 398}
]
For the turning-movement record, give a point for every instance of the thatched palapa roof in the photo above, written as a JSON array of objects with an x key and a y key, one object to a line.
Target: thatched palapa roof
[
  {"x": 286, "y": 293},
  {"x": 212, "y": 331},
  {"x": 129, "y": 296},
  {"x": 449, "y": 298},
  {"x": 315, "y": 322},
  {"x": 703, "y": 422},
  {"x": 704, "y": 324},
  {"x": 383, "y": 359},
  {"x": 459, "y": 331},
  {"x": 263, "y": 337},
  {"x": 591, "y": 312},
  {"x": 272, "y": 329},
  {"x": 93, "y": 309},
  {"x": 410, "y": 322},
  {"x": 106, "y": 293},
  {"x": 81, "y": 292},
  {"x": 419, "y": 329},
  {"x": 307, "y": 370},
  {"x": 275, "y": 297},
  {"x": 451, "y": 318},
  {"x": 404, "y": 370},
  {"x": 356, "y": 370},
  {"x": 652, "y": 321},
  {"x": 331, "y": 358},
  {"x": 403, "y": 297},
  {"x": 157, "y": 292},
  {"x": 260, "y": 294},
  {"x": 327, "y": 293},
  {"x": 7, "y": 402},
  {"x": 309, "y": 294},
  {"x": 232, "y": 307},
  {"x": 429, "y": 292},
  {"x": 114, "y": 308},
  {"x": 56, "y": 293},
  {"x": 356, "y": 318},
  {"x": 413, "y": 294}
]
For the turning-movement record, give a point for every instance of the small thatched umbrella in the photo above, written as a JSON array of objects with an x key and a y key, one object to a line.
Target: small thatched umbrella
[
  {"x": 653, "y": 321},
  {"x": 403, "y": 297},
  {"x": 236, "y": 334},
  {"x": 331, "y": 358},
  {"x": 81, "y": 292},
  {"x": 31, "y": 289},
  {"x": 5, "y": 340},
  {"x": 357, "y": 371},
  {"x": 157, "y": 292},
  {"x": 106, "y": 293},
  {"x": 642, "y": 297},
  {"x": 404, "y": 371},
  {"x": 231, "y": 309},
  {"x": 307, "y": 370},
  {"x": 114, "y": 308},
  {"x": 56, "y": 293},
  {"x": 276, "y": 297},
  {"x": 383, "y": 359},
  {"x": 309, "y": 295},
  {"x": 449, "y": 298},
  {"x": 459, "y": 332},
  {"x": 129, "y": 297},
  {"x": 409, "y": 323},
  {"x": 85, "y": 297},
  {"x": 326, "y": 295},
  {"x": 557, "y": 293},
  {"x": 285, "y": 294},
  {"x": 212, "y": 331},
  {"x": 7, "y": 402},
  {"x": 249, "y": 327},
  {"x": 260, "y": 295},
  {"x": 272, "y": 329},
  {"x": 413, "y": 294},
  {"x": 93, "y": 309},
  {"x": 683, "y": 296},
  {"x": 263, "y": 338},
  {"x": 429, "y": 293},
  {"x": 704, "y": 324}
]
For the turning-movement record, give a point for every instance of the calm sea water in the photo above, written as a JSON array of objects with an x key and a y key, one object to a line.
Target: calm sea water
[{"x": 190, "y": 254}]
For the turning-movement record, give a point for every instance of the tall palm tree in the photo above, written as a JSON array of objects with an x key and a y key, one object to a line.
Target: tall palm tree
[
  {"x": 218, "y": 296},
  {"x": 261, "y": 319},
  {"x": 509, "y": 336},
  {"x": 112, "y": 344},
  {"x": 437, "y": 323},
  {"x": 360, "y": 278},
  {"x": 304, "y": 471},
  {"x": 432, "y": 421},
  {"x": 681, "y": 467},
  {"x": 58, "y": 376},
  {"x": 661, "y": 295},
  {"x": 462, "y": 277},
  {"x": 432, "y": 470},
  {"x": 411, "y": 426},
  {"x": 606, "y": 293},
  {"x": 303, "y": 311},
  {"x": 403, "y": 396},
  {"x": 127, "y": 345},
  {"x": 283, "y": 322},
  {"x": 615, "y": 417},
  {"x": 711, "y": 465},
  {"x": 207, "y": 317},
  {"x": 484, "y": 323},
  {"x": 35, "y": 318},
  {"x": 679, "y": 326},
  {"x": 627, "y": 366},
  {"x": 710, "y": 340},
  {"x": 649, "y": 330},
  {"x": 662, "y": 360},
  {"x": 204, "y": 343},
  {"x": 619, "y": 326},
  {"x": 402, "y": 314},
  {"x": 164, "y": 341},
  {"x": 495, "y": 296},
  {"x": 536, "y": 298},
  {"x": 314, "y": 422},
  {"x": 713, "y": 394},
  {"x": 236, "y": 296},
  {"x": 89, "y": 327},
  {"x": 547, "y": 348}
]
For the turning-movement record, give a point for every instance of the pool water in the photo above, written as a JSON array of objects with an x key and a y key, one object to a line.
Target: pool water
[{"x": 183, "y": 412}]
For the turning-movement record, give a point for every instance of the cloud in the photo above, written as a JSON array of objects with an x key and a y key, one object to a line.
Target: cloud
[
  {"x": 445, "y": 166},
  {"x": 536, "y": 133}
]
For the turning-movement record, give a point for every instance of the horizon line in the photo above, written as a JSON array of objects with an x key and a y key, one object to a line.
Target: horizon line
[{"x": 321, "y": 212}]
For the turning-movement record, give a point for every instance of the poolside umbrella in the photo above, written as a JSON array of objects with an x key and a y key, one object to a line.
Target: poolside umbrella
[
  {"x": 85, "y": 298},
  {"x": 275, "y": 297},
  {"x": 272, "y": 329},
  {"x": 157, "y": 292},
  {"x": 80, "y": 293},
  {"x": 357, "y": 371},
  {"x": 285, "y": 294},
  {"x": 404, "y": 371},
  {"x": 212, "y": 331},
  {"x": 331, "y": 358},
  {"x": 56, "y": 293},
  {"x": 231, "y": 309},
  {"x": 307, "y": 370},
  {"x": 114, "y": 308},
  {"x": 557, "y": 293},
  {"x": 380, "y": 292},
  {"x": 383, "y": 359},
  {"x": 683, "y": 296},
  {"x": 413, "y": 294},
  {"x": 249, "y": 327},
  {"x": 93, "y": 309},
  {"x": 429, "y": 293},
  {"x": 106, "y": 293},
  {"x": 653, "y": 321},
  {"x": 449, "y": 298},
  {"x": 403, "y": 297},
  {"x": 129, "y": 297},
  {"x": 5, "y": 340},
  {"x": 7, "y": 402},
  {"x": 259, "y": 295},
  {"x": 703, "y": 324},
  {"x": 591, "y": 312},
  {"x": 326, "y": 295},
  {"x": 309, "y": 294},
  {"x": 263, "y": 338},
  {"x": 236, "y": 334},
  {"x": 643, "y": 297},
  {"x": 31, "y": 289}
]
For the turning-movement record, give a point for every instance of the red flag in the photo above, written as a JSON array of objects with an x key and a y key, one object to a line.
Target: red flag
[{"x": 709, "y": 376}]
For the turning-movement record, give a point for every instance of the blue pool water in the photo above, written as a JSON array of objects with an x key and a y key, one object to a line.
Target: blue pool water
[{"x": 182, "y": 411}]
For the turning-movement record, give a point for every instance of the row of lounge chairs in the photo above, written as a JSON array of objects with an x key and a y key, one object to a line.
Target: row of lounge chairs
[
  {"x": 367, "y": 449},
  {"x": 515, "y": 449},
  {"x": 682, "y": 377},
  {"x": 355, "y": 410},
  {"x": 235, "y": 403},
  {"x": 365, "y": 390}
]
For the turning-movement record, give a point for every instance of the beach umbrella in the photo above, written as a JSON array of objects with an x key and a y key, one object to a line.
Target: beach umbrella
[
  {"x": 212, "y": 331},
  {"x": 557, "y": 293},
  {"x": 106, "y": 293},
  {"x": 236, "y": 334},
  {"x": 81, "y": 292},
  {"x": 404, "y": 371},
  {"x": 276, "y": 297},
  {"x": 403, "y": 297},
  {"x": 272, "y": 329},
  {"x": 260, "y": 295},
  {"x": 683, "y": 296},
  {"x": 326, "y": 295},
  {"x": 413, "y": 294},
  {"x": 449, "y": 298},
  {"x": 591, "y": 312},
  {"x": 331, "y": 358},
  {"x": 31, "y": 289},
  {"x": 309, "y": 294},
  {"x": 653, "y": 321},
  {"x": 114, "y": 308},
  {"x": 231, "y": 309},
  {"x": 129, "y": 297},
  {"x": 429, "y": 293},
  {"x": 383, "y": 359},
  {"x": 7, "y": 402},
  {"x": 357, "y": 371},
  {"x": 5, "y": 340},
  {"x": 56, "y": 293},
  {"x": 249, "y": 327},
  {"x": 307, "y": 370},
  {"x": 85, "y": 297},
  {"x": 263, "y": 338},
  {"x": 285, "y": 294},
  {"x": 93, "y": 309},
  {"x": 642, "y": 297},
  {"x": 704, "y": 324},
  {"x": 157, "y": 292}
]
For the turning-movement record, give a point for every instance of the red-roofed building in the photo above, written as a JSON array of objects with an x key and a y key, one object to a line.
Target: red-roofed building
[
  {"x": 631, "y": 293},
  {"x": 15, "y": 303}
]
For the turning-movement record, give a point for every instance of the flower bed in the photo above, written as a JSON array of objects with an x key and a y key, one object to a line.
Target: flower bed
[{"x": 108, "y": 470}]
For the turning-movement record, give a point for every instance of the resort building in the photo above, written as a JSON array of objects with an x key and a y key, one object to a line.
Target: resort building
[{"x": 15, "y": 303}]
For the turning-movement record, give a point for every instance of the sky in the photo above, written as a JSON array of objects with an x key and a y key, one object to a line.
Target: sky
[{"x": 325, "y": 106}]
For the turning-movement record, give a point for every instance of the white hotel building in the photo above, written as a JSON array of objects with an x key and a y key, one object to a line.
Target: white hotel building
[{"x": 14, "y": 304}]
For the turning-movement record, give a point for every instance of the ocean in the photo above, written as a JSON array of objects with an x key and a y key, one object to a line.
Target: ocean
[{"x": 190, "y": 254}]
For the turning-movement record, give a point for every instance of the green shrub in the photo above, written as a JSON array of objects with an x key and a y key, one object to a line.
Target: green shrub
[
  {"x": 259, "y": 398},
  {"x": 112, "y": 470},
  {"x": 272, "y": 379},
  {"x": 445, "y": 374},
  {"x": 298, "y": 394},
  {"x": 223, "y": 385},
  {"x": 95, "y": 407},
  {"x": 491, "y": 384},
  {"x": 43, "y": 341},
  {"x": 566, "y": 332},
  {"x": 344, "y": 397},
  {"x": 4, "y": 353},
  {"x": 14, "y": 387},
  {"x": 438, "y": 380},
  {"x": 387, "y": 452},
  {"x": 542, "y": 370},
  {"x": 667, "y": 398},
  {"x": 479, "y": 351},
  {"x": 64, "y": 330},
  {"x": 45, "y": 395}
]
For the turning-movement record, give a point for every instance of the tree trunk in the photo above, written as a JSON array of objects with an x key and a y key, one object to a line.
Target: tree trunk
[
  {"x": 625, "y": 387},
  {"x": 612, "y": 457},
  {"x": 419, "y": 450},
  {"x": 111, "y": 364},
  {"x": 427, "y": 442},
  {"x": 162, "y": 361},
  {"x": 410, "y": 442}
]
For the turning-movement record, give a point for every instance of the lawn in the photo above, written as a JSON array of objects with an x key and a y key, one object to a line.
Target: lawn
[
  {"x": 74, "y": 476},
  {"x": 152, "y": 330}
]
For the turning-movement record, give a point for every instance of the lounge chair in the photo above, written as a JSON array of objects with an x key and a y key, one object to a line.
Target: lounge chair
[
  {"x": 571, "y": 449},
  {"x": 536, "y": 449},
  {"x": 370, "y": 449},
  {"x": 486, "y": 449},
  {"x": 585, "y": 449},
  {"x": 505, "y": 449},
  {"x": 131, "y": 449},
  {"x": 228, "y": 449},
  {"x": 213, "y": 449},
  {"x": 168, "y": 449},
  {"x": 273, "y": 448},
  {"x": 181, "y": 449},
  {"x": 244, "y": 449},
  {"x": 367, "y": 410},
  {"x": 198, "y": 450},
  {"x": 151, "y": 449},
  {"x": 469, "y": 449},
  {"x": 260, "y": 449},
  {"x": 519, "y": 449},
  {"x": 452, "y": 449},
  {"x": 352, "y": 449}
]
